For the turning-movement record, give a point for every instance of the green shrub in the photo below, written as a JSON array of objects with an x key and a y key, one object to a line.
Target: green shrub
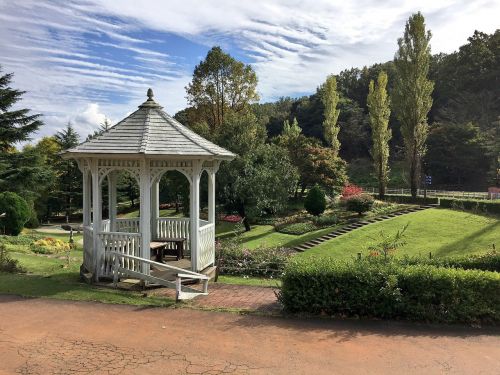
[
  {"x": 232, "y": 259},
  {"x": 32, "y": 221},
  {"x": 485, "y": 262},
  {"x": 315, "y": 202},
  {"x": 297, "y": 228},
  {"x": 388, "y": 289},
  {"x": 7, "y": 264},
  {"x": 17, "y": 213},
  {"x": 491, "y": 207},
  {"x": 408, "y": 199},
  {"x": 359, "y": 203},
  {"x": 324, "y": 221}
]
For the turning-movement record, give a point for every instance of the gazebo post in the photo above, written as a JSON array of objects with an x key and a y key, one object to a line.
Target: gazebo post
[
  {"x": 86, "y": 198},
  {"x": 145, "y": 212},
  {"x": 155, "y": 209},
  {"x": 194, "y": 214},
  {"x": 96, "y": 216},
  {"x": 211, "y": 197},
  {"x": 112, "y": 200}
]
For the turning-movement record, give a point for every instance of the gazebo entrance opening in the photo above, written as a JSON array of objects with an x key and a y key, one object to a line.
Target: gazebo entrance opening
[{"x": 147, "y": 144}]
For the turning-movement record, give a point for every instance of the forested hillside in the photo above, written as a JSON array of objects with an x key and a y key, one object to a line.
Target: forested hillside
[{"x": 463, "y": 142}]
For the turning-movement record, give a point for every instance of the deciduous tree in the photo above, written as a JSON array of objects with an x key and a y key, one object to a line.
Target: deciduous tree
[
  {"x": 412, "y": 92},
  {"x": 330, "y": 99},
  {"x": 379, "y": 109},
  {"x": 221, "y": 84}
]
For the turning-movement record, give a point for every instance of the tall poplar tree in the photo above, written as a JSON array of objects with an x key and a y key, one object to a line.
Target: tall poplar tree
[
  {"x": 412, "y": 92},
  {"x": 379, "y": 111},
  {"x": 330, "y": 100}
]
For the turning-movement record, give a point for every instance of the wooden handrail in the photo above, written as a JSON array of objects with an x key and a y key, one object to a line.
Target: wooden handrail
[{"x": 161, "y": 265}]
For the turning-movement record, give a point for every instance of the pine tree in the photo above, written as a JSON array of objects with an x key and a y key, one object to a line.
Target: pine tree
[
  {"x": 412, "y": 92},
  {"x": 330, "y": 100},
  {"x": 69, "y": 176},
  {"x": 379, "y": 112},
  {"x": 15, "y": 126}
]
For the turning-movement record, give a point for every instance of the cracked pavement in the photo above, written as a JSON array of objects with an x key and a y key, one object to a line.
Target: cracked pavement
[{"x": 42, "y": 336}]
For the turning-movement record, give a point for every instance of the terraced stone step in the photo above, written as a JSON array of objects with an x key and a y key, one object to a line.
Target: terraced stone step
[{"x": 349, "y": 228}]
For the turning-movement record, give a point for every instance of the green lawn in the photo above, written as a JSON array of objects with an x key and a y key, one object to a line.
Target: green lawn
[
  {"x": 266, "y": 236},
  {"x": 51, "y": 277},
  {"x": 440, "y": 231}
]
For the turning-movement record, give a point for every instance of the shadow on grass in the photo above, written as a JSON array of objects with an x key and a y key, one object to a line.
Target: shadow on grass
[
  {"x": 67, "y": 286},
  {"x": 458, "y": 244}
]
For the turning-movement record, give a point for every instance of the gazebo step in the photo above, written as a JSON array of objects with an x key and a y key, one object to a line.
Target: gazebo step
[{"x": 210, "y": 271}]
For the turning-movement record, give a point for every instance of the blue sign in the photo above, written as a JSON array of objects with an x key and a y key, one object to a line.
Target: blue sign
[{"x": 428, "y": 180}]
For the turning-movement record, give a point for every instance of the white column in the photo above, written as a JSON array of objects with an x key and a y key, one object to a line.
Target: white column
[
  {"x": 96, "y": 218},
  {"x": 155, "y": 209},
  {"x": 194, "y": 214},
  {"x": 112, "y": 200},
  {"x": 87, "y": 203},
  {"x": 145, "y": 207},
  {"x": 211, "y": 197}
]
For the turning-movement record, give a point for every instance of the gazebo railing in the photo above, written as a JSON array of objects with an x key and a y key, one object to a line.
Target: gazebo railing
[
  {"x": 207, "y": 246},
  {"x": 129, "y": 225},
  {"x": 174, "y": 227},
  {"x": 124, "y": 243}
]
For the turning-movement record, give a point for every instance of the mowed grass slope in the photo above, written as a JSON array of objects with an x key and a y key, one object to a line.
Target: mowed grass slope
[{"x": 440, "y": 231}]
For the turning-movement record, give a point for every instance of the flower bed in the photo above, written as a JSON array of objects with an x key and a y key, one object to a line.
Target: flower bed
[{"x": 49, "y": 245}]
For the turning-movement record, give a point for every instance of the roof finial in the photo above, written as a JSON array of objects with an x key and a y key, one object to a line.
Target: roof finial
[{"x": 150, "y": 94}]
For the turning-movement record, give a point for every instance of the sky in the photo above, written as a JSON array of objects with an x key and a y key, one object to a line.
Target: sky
[{"x": 83, "y": 61}]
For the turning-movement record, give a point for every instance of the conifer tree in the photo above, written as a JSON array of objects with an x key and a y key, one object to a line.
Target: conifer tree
[
  {"x": 412, "y": 92},
  {"x": 15, "y": 125},
  {"x": 379, "y": 112}
]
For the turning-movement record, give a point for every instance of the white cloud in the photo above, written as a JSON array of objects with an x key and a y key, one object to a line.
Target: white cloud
[{"x": 292, "y": 44}]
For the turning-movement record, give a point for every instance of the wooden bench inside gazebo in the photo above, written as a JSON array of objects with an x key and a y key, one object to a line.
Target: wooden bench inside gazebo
[{"x": 147, "y": 144}]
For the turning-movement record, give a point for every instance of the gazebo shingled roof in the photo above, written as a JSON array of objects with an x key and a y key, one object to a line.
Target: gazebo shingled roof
[{"x": 151, "y": 131}]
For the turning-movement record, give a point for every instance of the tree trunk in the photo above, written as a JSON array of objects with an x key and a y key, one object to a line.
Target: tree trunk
[
  {"x": 241, "y": 212},
  {"x": 414, "y": 178},
  {"x": 381, "y": 182}
]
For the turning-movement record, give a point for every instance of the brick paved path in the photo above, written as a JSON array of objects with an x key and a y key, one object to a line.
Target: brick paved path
[{"x": 231, "y": 296}]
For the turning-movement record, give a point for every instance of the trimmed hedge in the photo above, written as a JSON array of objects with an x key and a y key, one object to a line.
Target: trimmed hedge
[
  {"x": 359, "y": 203},
  {"x": 297, "y": 228},
  {"x": 492, "y": 207},
  {"x": 374, "y": 288},
  {"x": 408, "y": 199},
  {"x": 485, "y": 262}
]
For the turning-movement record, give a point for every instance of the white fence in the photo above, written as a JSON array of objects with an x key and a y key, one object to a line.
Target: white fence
[
  {"x": 438, "y": 193},
  {"x": 207, "y": 246}
]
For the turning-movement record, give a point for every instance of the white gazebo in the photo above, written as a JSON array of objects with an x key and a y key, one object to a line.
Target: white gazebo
[{"x": 146, "y": 144}]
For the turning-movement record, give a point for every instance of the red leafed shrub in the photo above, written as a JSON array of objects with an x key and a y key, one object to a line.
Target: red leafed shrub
[
  {"x": 231, "y": 218},
  {"x": 351, "y": 190}
]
